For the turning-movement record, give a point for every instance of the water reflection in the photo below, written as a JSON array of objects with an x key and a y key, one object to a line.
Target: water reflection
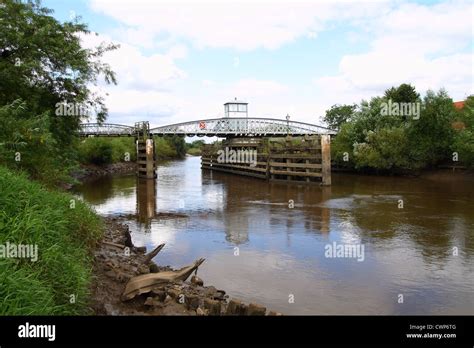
[
  {"x": 146, "y": 202},
  {"x": 282, "y": 229}
]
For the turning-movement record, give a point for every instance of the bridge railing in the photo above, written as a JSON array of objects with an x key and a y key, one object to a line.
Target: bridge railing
[
  {"x": 106, "y": 129},
  {"x": 214, "y": 127},
  {"x": 241, "y": 126}
]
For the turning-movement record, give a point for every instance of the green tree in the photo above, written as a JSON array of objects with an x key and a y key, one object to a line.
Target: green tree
[
  {"x": 42, "y": 63},
  {"x": 339, "y": 114},
  {"x": 372, "y": 141},
  {"x": 404, "y": 93},
  {"x": 431, "y": 136}
]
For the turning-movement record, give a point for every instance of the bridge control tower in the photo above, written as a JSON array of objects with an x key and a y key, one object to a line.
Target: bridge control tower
[{"x": 236, "y": 108}]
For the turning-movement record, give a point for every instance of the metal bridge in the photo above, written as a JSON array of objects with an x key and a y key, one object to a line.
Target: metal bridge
[{"x": 217, "y": 127}]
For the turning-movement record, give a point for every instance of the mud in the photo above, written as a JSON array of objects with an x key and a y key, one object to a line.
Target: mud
[{"x": 91, "y": 171}]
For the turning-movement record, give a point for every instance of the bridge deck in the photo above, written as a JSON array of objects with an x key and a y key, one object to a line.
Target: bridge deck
[{"x": 218, "y": 127}]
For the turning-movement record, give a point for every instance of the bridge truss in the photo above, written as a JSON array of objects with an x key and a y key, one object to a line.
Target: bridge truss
[{"x": 218, "y": 127}]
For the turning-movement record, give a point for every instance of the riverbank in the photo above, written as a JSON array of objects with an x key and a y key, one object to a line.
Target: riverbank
[
  {"x": 92, "y": 171},
  {"x": 443, "y": 172},
  {"x": 49, "y": 237},
  {"x": 118, "y": 263}
]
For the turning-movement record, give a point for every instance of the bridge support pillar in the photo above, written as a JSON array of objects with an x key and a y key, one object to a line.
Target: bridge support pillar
[
  {"x": 326, "y": 159},
  {"x": 146, "y": 158},
  {"x": 145, "y": 151}
]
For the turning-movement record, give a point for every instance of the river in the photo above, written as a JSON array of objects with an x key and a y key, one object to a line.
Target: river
[{"x": 412, "y": 239}]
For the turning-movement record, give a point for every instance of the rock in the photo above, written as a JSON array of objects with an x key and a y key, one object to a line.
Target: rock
[
  {"x": 213, "y": 306},
  {"x": 143, "y": 269},
  {"x": 255, "y": 309},
  {"x": 192, "y": 302},
  {"x": 201, "y": 312},
  {"x": 122, "y": 277},
  {"x": 235, "y": 307},
  {"x": 196, "y": 280},
  {"x": 159, "y": 294},
  {"x": 154, "y": 268},
  {"x": 109, "y": 309},
  {"x": 152, "y": 302},
  {"x": 210, "y": 291},
  {"x": 168, "y": 299},
  {"x": 128, "y": 268},
  {"x": 141, "y": 249},
  {"x": 149, "y": 301},
  {"x": 173, "y": 293},
  {"x": 114, "y": 263},
  {"x": 220, "y": 295},
  {"x": 111, "y": 274},
  {"x": 272, "y": 313}
]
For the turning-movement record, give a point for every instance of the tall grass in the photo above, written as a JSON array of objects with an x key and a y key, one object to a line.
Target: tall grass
[{"x": 64, "y": 234}]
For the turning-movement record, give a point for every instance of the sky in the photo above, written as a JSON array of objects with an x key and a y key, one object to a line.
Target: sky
[{"x": 182, "y": 60}]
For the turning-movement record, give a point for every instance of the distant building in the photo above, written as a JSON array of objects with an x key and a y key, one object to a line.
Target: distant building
[{"x": 459, "y": 125}]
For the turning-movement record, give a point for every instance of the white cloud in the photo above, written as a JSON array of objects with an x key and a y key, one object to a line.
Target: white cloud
[
  {"x": 414, "y": 44},
  {"x": 145, "y": 83},
  {"x": 136, "y": 70},
  {"x": 250, "y": 88},
  {"x": 242, "y": 25}
]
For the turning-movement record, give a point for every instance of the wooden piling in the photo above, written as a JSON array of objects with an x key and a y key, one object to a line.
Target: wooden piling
[
  {"x": 326, "y": 159},
  {"x": 300, "y": 162}
]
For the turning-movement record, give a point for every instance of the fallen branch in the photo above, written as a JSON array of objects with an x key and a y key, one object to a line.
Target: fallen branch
[
  {"x": 128, "y": 239},
  {"x": 121, "y": 246},
  {"x": 152, "y": 254},
  {"x": 146, "y": 282}
]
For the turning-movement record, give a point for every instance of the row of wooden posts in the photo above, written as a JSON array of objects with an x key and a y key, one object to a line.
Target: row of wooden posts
[{"x": 302, "y": 159}]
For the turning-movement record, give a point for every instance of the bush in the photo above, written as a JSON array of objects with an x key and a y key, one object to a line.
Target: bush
[
  {"x": 33, "y": 215},
  {"x": 96, "y": 150},
  {"x": 385, "y": 149},
  {"x": 170, "y": 147},
  {"x": 26, "y": 143}
]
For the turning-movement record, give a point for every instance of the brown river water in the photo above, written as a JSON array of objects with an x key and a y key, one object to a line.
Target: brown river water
[{"x": 407, "y": 243}]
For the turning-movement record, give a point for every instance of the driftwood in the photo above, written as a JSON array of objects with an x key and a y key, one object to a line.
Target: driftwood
[
  {"x": 121, "y": 246},
  {"x": 146, "y": 282},
  {"x": 128, "y": 239},
  {"x": 152, "y": 254}
]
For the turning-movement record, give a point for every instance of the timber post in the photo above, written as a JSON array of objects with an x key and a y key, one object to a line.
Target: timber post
[
  {"x": 326, "y": 159},
  {"x": 146, "y": 168}
]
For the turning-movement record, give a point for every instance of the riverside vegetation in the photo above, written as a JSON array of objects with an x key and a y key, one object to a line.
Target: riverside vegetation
[
  {"x": 371, "y": 140},
  {"x": 42, "y": 63}
]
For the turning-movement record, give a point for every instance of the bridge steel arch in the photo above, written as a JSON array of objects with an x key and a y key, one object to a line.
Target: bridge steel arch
[
  {"x": 218, "y": 127},
  {"x": 106, "y": 129},
  {"x": 241, "y": 126}
]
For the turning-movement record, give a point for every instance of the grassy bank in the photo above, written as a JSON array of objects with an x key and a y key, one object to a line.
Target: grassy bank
[{"x": 64, "y": 230}]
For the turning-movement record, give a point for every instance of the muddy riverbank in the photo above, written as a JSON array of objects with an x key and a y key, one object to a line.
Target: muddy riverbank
[
  {"x": 117, "y": 261},
  {"x": 92, "y": 171}
]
